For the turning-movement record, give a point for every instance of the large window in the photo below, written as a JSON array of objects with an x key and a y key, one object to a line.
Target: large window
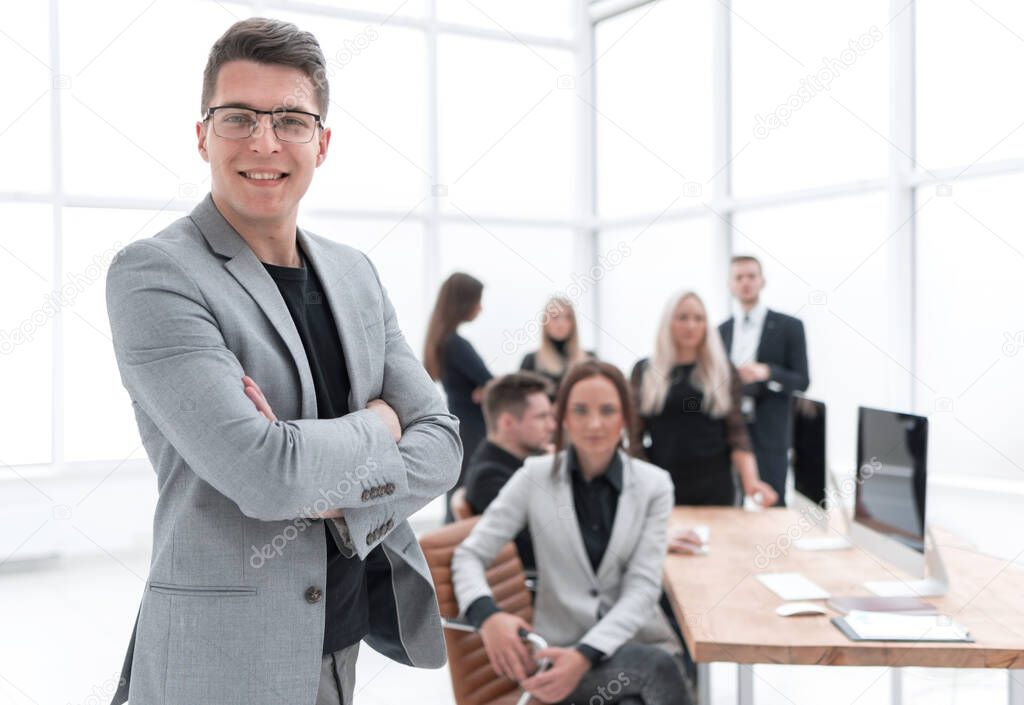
[
  {"x": 810, "y": 108},
  {"x": 970, "y": 326},
  {"x": 849, "y": 159}
]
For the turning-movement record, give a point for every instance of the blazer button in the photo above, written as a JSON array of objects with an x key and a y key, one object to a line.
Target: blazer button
[
  {"x": 376, "y": 491},
  {"x": 366, "y": 495},
  {"x": 390, "y": 488},
  {"x": 313, "y": 595},
  {"x": 594, "y": 592},
  {"x": 371, "y": 537},
  {"x": 390, "y": 525}
]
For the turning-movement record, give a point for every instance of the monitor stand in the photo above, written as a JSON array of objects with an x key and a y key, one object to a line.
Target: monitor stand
[
  {"x": 935, "y": 584},
  {"x": 833, "y": 539}
]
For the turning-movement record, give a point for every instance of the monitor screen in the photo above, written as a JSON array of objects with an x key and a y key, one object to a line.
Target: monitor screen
[
  {"x": 809, "y": 464},
  {"x": 892, "y": 452}
]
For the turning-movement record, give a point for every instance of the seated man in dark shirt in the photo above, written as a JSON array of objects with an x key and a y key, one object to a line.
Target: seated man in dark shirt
[{"x": 519, "y": 418}]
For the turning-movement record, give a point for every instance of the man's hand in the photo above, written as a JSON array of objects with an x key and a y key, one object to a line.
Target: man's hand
[
  {"x": 751, "y": 372},
  {"x": 388, "y": 416},
  {"x": 555, "y": 684},
  {"x": 252, "y": 390},
  {"x": 508, "y": 655}
]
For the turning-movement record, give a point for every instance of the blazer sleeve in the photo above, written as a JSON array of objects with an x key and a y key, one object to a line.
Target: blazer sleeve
[
  {"x": 793, "y": 373},
  {"x": 504, "y": 518},
  {"x": 176, "y": 366},
  {"x": 641, "y": 583},
  {"x": 430, "y": 447}
]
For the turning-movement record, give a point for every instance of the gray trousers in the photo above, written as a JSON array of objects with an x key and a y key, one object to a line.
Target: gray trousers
[
  {"x": 338, "y": 677},
  {"x": 636, "y": 674}
]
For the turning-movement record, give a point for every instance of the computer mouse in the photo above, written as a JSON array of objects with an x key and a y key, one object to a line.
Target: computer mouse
[{"x": 799, "y": 609}]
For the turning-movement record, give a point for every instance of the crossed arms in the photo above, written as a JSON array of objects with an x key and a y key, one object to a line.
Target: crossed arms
[{"x": 176, "y": 366}]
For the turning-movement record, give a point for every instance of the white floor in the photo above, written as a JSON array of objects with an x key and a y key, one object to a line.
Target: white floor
[{"x": 65, "y": 624}]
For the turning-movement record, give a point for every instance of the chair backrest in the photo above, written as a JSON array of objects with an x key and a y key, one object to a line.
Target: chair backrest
[
  {"x": 473, "y": 681},
  {"x": 459, "y": 506}
]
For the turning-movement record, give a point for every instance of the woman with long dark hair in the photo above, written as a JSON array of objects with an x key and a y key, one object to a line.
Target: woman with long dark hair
[
  {"x": 452, "y": 359},
  {"x": 598, "y": 518}
]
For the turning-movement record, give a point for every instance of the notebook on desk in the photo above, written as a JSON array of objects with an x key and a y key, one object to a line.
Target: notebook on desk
[{"x": 883, "y": 626}]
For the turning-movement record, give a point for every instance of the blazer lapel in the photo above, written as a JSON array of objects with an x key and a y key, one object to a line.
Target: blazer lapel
[
  {"x": 333, "y": 274},
  {"x": 767, "y": 335},
  {"x": 626, "y": 518},
  {"x": 727, "y": 335},
  {"x": 250, "y": 273}
]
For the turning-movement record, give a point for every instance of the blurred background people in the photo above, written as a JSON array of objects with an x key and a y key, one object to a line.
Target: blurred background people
[
  {"x": 452, "y": 359},
  {"x": 599, "y": 568},
  {"x": 769, "y": 350},
  {"x": 520, "y": 423},
  {"x": 559, "y": 343},
  {"x": 689, "y": 401}
]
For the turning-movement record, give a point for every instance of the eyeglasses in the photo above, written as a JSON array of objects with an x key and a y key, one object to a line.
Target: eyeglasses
[{"x": 233, "y": 123}]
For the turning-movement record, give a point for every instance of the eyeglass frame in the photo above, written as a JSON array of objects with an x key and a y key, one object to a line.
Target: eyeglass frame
[{"x": 319, "y": 121}]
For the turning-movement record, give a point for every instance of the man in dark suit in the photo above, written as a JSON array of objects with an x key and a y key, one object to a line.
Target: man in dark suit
[
  {"x": 769, "y": 351},
  {"x": 520, "y": 422}
]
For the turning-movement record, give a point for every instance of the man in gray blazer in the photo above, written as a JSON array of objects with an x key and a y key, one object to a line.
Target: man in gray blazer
[{"x": 291, "y": 428}]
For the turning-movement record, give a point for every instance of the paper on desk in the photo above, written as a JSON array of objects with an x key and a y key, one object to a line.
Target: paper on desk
[{"x": 887, "y": 626}]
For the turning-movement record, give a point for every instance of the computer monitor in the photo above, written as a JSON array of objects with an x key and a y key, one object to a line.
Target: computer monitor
[
  {"x": 889, "y": 511},
  {"x": 810, "y": 466}
]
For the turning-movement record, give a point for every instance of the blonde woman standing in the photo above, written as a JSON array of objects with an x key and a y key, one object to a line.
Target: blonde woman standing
[
  {"x": 559, "y": 343},
  {"x": 688, "y": 395}
]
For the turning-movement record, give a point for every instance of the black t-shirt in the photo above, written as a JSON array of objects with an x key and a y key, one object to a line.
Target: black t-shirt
[
  {"x": 347, "y": 603},
  {"x": 490, "y": 467}
]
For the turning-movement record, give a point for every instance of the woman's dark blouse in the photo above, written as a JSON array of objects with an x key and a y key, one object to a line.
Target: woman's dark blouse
[
  {"x": 683, "y": 430},
  {"x": 529, "y": 364},
  {"x": 462, "y": 371}
]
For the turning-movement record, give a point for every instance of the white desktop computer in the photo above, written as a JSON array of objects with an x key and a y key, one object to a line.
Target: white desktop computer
[{"x": 889, "y": 517}]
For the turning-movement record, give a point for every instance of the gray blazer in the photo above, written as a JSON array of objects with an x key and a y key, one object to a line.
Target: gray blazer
[
  {"x": 233, "y": 610},
  {"x": 616, "y": 605}
]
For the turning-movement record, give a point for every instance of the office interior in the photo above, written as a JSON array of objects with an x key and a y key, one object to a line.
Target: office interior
[{"x": 613, "y": 151}]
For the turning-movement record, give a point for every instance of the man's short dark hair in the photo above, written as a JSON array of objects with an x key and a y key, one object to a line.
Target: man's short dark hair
[
  {"x": 268, "y": 41},
  {"x": 742, "y": 259},
  {"x": 509, "y": 393}
]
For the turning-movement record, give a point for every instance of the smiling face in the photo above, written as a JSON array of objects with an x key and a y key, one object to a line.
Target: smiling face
[
  {"x": 236, "y": 165},
  {"x": 594, "y": 417}
]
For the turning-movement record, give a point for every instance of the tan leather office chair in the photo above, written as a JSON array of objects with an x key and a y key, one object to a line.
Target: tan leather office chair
[{"x": 473, "y": 681}]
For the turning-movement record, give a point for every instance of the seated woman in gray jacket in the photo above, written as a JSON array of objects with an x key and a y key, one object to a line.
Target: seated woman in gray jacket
[{"x": 598, "y": 518}]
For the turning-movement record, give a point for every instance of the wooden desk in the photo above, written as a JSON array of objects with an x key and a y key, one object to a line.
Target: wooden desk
[{"x": 727, "y": 615}]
